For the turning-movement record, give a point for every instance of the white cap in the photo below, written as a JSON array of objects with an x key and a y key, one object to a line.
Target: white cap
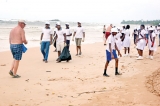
[
  {"x": 114, "y": 30},
  {"x": 58, "y": 23},
  {"x": 22, "y": 21},
  {"x": 67, "y": 24},
  {"x": 47, "y": 23},
  {"x": 151, "y": 29}
]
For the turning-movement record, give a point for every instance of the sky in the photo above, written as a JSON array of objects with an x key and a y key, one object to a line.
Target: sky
[{"x": 92, "y": 11}]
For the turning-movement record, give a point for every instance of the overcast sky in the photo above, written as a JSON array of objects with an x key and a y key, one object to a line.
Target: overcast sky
[{"x": 98, "y": 11}]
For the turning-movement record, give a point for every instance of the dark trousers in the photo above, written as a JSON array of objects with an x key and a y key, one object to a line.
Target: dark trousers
[
  {"x": 68, "y": 43},
  {"x": 55, "y": 44},
  {"x": 135, "y": 35}
]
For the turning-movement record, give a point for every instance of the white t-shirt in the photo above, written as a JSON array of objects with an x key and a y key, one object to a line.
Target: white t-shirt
[
  {"x": 47, "y": 33},
  {"x": 118, "y": 36},
  {"x": 79, "y": 32},
  {"x": 68, "y": 32},
  {"x": 60, "y": 36},
  {"x": 111, "y": 40}
]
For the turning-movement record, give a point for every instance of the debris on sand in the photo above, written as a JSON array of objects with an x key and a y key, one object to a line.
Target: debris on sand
[{"x": 3, "y": 64}]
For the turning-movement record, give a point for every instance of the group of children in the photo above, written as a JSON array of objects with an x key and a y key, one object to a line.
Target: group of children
[{"x": 120, "y": 37}]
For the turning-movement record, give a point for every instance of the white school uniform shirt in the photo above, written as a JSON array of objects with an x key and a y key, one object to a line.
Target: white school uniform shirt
[
  {"x": 47, "y": 33},
  {"x": 68, "y": 32},
  {"x": 150, "y": 42},
  {"x": 79, "y": 32},
  {"x": 111, "y": 40},
  {"x": 60, "y": 36},
  {"x": 118, "y": 41},
  {"x": 136, "y": 32},
  {"x": 143, "y": 32}
]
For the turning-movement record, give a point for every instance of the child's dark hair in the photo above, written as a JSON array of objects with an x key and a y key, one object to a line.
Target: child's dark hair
[
  {"x": 128, "y": 27},
  {"x": 142, "y": 26}
]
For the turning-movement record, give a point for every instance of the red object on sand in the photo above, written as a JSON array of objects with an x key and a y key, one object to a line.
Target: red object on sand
[{"x": 107, "y": 34}]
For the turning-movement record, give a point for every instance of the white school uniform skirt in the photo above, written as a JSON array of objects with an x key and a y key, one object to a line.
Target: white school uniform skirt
[
  {"x": 119, "y": 44},
  {"x": 126, "y": 42},
  {"x": 141, "y": 44},
  {"x": 154, "y": 48}
]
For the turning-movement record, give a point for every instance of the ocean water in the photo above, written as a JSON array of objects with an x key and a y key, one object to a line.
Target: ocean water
[{"x": 33, "y": 31}]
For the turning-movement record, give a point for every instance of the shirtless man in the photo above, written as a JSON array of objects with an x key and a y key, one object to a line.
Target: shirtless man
[
  {"x": 108, "y": 31},
  {"x": 16, "y": 40}
]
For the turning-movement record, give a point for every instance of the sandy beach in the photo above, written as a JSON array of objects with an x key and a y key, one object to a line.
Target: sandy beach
[{"x": 80, "y": 82}]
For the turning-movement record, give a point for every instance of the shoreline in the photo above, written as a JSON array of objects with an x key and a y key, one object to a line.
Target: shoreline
[{"x": 38, "y": 45}]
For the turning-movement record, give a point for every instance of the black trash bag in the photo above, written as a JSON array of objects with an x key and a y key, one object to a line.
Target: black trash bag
[{"x": 65, "y": 55}]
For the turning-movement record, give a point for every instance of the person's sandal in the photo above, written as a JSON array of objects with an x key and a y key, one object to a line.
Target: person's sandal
[
  {"x": 76, "y": 54},
  {"x": 16, "y": 76},
  {"x": 11, "y": 73},
  {"x": 46, "y": 61}
]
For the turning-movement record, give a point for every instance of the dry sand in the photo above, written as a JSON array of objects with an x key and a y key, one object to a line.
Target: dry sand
[{"x": 79, "y": 82}]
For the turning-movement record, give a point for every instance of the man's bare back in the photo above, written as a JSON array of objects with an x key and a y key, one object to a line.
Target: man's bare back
[
  {"x": 109, "y": 28},
  {"x": 17, "y": 36}
]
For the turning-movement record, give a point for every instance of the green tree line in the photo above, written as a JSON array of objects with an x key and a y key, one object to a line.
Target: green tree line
[{"x": 151, "y": 22}]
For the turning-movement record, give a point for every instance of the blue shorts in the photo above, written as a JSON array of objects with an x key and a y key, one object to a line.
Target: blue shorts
[
  {"x": 108, "y": 55},
  {"x": 16, "y": 50},
  {"x": 147, "y": 36}
]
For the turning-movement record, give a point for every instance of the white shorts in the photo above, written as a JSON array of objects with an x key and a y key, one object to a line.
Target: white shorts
[{"x": 60, "y": 46}]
